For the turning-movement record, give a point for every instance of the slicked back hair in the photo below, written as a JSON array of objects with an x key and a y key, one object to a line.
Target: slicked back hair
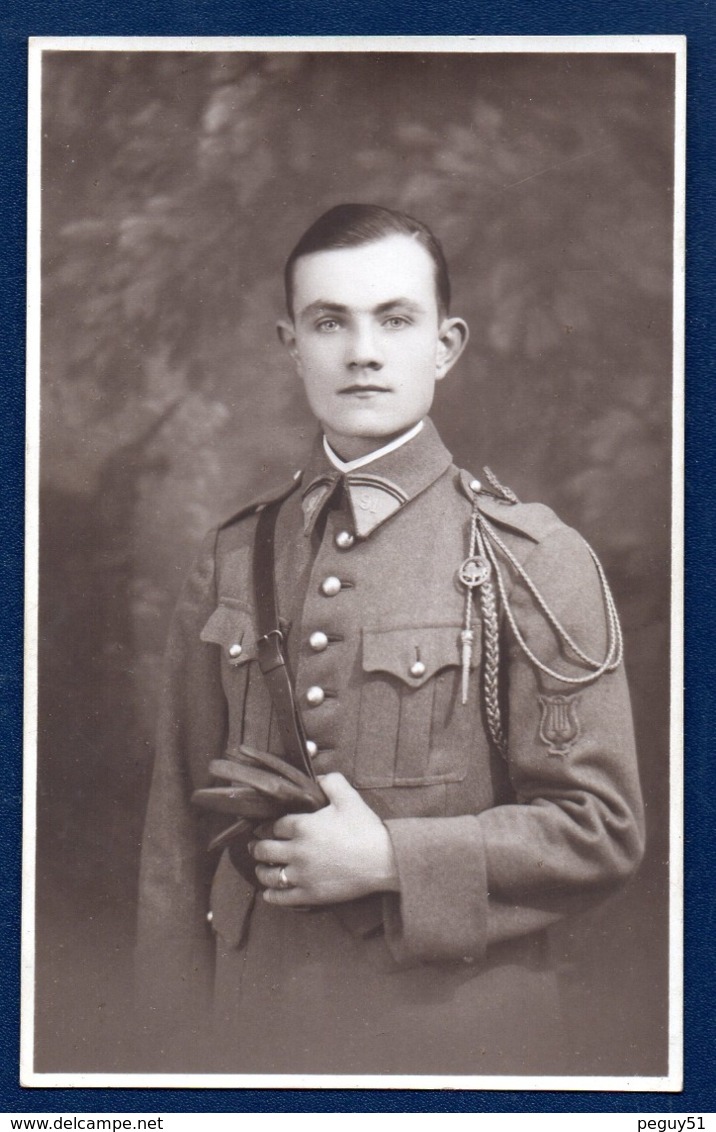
[{"x": 350, "y": 225}]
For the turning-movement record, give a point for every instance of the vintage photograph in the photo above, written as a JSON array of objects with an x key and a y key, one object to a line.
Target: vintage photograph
[{"x": 352, "y": 747}]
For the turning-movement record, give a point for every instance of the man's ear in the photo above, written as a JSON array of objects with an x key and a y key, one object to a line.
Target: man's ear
[
  {"x": 287, "y": 336},
  {"x": 452, "y": 340}
]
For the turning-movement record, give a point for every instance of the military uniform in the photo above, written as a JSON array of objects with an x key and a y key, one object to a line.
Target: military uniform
[{"x": 452, "y": 974}]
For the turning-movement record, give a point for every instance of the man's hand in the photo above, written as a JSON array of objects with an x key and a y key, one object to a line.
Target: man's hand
[{"x": 338, "y": 853}]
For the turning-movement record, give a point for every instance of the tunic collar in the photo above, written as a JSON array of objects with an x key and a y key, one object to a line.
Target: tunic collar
[
  {"x": 362, "y": 461},
  {"x": 377, "y": 490}
]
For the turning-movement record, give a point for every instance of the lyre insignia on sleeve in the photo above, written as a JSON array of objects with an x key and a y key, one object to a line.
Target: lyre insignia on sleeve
[{"x": 559, "y": 726}]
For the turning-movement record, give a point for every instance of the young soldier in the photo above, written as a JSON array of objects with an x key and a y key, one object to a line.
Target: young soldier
[{"x": 454, "y": 659}]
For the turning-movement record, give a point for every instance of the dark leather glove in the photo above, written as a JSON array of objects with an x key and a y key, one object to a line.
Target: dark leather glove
[{"x": 263, "y": 787}]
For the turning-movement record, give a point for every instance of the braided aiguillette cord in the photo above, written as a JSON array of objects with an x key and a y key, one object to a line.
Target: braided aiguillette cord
[
  {"x": 475, "y": 573},
  {"x": 491, "y": 659},
  {"x": 615, "y": 647}
]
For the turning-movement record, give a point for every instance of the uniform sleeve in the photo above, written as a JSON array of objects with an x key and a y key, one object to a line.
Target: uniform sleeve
[
  {"x": 575, "y": 829},
  {"x": 174, "y": 946}
]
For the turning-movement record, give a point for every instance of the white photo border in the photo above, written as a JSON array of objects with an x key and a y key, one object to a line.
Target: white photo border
[{"x": 632, "y": 44}]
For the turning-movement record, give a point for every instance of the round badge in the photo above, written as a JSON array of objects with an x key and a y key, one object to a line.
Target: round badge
[{"x": 474, "y": 571}]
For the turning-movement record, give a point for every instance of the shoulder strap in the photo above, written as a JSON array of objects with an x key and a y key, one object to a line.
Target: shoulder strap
[
  {"x": 272, "y": 661},
  {"x": 252, "y": 508}
]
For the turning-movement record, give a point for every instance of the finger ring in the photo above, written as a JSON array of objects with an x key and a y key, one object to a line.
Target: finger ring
[{"x": 283, "y": 881}]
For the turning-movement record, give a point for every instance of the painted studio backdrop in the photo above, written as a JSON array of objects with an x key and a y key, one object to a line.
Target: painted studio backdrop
[{"x": 174, "y": 184}]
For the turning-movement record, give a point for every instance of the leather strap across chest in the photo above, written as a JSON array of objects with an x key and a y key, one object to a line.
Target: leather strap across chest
[{"x": 270, "y": 644}]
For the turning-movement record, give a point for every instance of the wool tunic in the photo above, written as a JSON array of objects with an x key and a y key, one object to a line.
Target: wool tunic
[{"x": 452, "y": 974}]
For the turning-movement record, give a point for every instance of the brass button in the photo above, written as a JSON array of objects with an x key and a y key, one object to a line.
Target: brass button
[
  {"x": 311, "y": 748},
  {"x": 209, "y": 917},
  {"x": 331, "y": 586},
  {"x": 475, "y": 486},
  {"x": 417, "y": 668},
  {"x": 315, "y": 695},
  {"x": 318, "y": 641},
  {"x": 344, "y": 540},
  {"x": 235, "y": 650}
]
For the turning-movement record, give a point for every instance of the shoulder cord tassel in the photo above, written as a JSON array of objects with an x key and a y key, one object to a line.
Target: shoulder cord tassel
[{"x": 615, "y": 644}]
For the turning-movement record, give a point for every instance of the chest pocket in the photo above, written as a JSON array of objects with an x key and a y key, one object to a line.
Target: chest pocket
[
  {"x": 413, "y": 729},
  {"x": 231, "y": 627}
]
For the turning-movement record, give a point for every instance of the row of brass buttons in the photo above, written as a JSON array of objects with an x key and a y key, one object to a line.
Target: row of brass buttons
[{"x": 318, "y": 640}]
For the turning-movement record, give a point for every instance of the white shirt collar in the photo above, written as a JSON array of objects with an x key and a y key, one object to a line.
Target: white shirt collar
[{"x": 361, "y": 462}]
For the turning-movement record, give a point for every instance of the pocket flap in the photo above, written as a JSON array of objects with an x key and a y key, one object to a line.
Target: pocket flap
[
  {"x": 232, "y": 627},
  {"x": 415, "y": 653}
]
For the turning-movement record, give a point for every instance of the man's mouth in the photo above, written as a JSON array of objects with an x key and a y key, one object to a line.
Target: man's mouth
[{"x": 363, "y": 390}]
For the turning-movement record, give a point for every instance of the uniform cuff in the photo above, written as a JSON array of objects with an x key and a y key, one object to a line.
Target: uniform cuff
[{"x": 441, "y": 912}]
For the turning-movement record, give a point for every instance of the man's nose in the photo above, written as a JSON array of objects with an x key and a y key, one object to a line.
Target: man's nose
[{"x": 363, "y": 348}]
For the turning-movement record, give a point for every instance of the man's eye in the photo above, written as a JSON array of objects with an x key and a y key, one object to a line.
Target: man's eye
[
  {"x": 396, "y": 322},
  {"x": 326, "y": 325}
]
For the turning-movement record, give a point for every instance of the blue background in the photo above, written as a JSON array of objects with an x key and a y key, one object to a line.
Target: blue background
[{"x": 322, "y": 18}]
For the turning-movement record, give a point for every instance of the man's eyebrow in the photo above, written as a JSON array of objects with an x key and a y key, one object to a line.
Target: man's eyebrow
[
  {"x": 400, "y": 303},
  {"x": 325, "y": 306}
]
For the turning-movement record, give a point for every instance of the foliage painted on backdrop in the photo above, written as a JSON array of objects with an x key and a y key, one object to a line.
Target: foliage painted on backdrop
[{"x": 177, "y": 182}]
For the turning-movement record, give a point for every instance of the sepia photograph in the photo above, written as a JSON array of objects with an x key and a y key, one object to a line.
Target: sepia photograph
[{"x": 352, "y": 748}]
